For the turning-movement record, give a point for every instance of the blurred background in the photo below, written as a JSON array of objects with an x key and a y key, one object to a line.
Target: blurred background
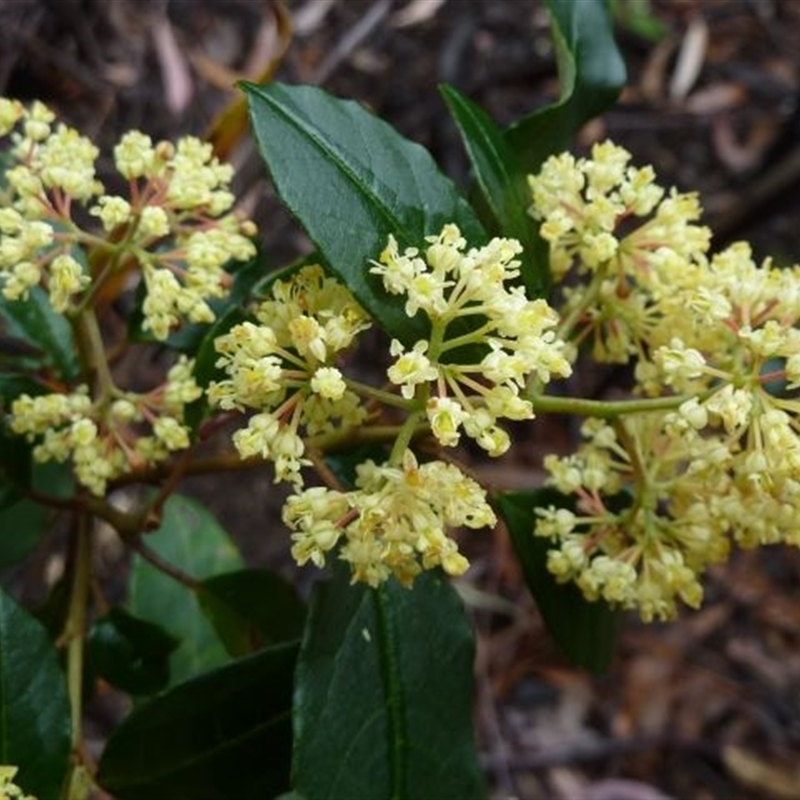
[{"x": 706, "y": 708}]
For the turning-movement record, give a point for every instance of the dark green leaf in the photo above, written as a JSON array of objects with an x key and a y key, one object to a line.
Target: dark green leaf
[
  {"x": 34, "y": 710},
  {"x": 639, "y": 17},
  {"x": 384, "y": 693},
  {"x": 351, "y": 180},
  {"x": 22, "y": 527},
  {"x": 585, "y": 631},
  {"x": 129, "y": 653},
  {"x": 34, "y": 321},
  {"x": 25, "y": 523},
  {"x": 503, "y": 183},
  {"x": 591, "y": 72},
  {"x": 344, "y": 463},
  {"x": 263, "y": 289},
  {"x": 52, "y": 613},
  {"x": 15, "y": 466},
  {"x": 223, "y": 735},
  {"x": 252, "y": 608},
  {"x": 14, "y": 384},
  {"x": 15, "y": 451},
  {"x": 191, "y": 539}
]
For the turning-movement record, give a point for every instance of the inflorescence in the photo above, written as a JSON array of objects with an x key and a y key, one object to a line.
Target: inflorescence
[{"x": 705, "y": 457}]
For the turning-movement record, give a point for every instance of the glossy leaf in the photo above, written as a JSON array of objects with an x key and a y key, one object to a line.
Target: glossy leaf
[
  {"x": 251, "y": 609},
  {"x": 222, "y": 735},
  {"x": 351, "y": 180},
  {"x": 53, "y": 611},
  {"x": 503, "y": 184},
  {"x": 190, "y": 538},
  {"x": 591, "y": 72},
  {"x": 34, "y": 710},
  {"x": 24, "y": 523},
  {"x": 22, "y": 527},
  {"x": 34, "y": 321},
  {"x": 383, "y": 694},
  {"x": 14, "y": 384},
  {"x": 15, "y": 466},
  {"x": 15, "y": 451},
  {"x": 585, "y": 631},
  {"x": 344, "y": 464},
  {"x": 640, "y": 18},
  {"x": 129, "y": 653}
]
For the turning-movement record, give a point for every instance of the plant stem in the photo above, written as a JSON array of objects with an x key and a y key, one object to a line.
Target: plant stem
[
  {"x": 405, "y": 435},
  {"x": 161, "y": 565},
  {"x": 381, "y": 395},
  {"x": 564, "y": 329},
  {"x": 75, "y": 627},
  {"x": 605, "y": 409},
  {"x": 93, "y": 354}
]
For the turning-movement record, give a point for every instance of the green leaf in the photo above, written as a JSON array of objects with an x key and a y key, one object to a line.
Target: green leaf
[
  {"x": 344, "y": 463},
  {"x": 351, "y": 180},
  {"x": 34, "y": 321},
  {"x": 503, "y": 184},
  {"x": 223, "y": 735},
  {"x": 15, "y": 466},
  {"x": 591, "y": 72},
  {"x": 129, "y": 653},
  {"x": 252, "y": 608},
  {"x": 585, "y": 631},
  {"x": 15, "y": 452},
  {"x": 34, "y": 709},
  {"x": 639, "y": 17},
  {"x": 22, "y": 527},
  {"x": 383, "y": 694},
  {"x": 25, "y": 523},
  {"x": 190, "y": 538},
  {"x": 52, "y": 612},
  {"x": 14, "y": 384}
]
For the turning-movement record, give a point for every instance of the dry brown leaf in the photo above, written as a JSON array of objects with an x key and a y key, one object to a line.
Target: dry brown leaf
[
  {"x": 741, "y": 156},
  {"x": 310, "y": 16},
  {"x": 713, "y": 99},
  {"x": 416, "y": 12},
  {"x": 229, "y": 124},
  {"x": 647, "y": 697},
  {"x": 653, "y": 77},
  {"x": 779, "y": 781},
  {"x": 750, "y": 653},
  {"x": 178, "y": 84},
  {"x": 621, "y": 789},
  {"x": 691, "y": 57}
]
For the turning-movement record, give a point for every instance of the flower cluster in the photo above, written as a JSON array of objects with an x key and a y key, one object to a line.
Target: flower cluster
[
  {"x": 644, "y": 525},
  {"x": 174, "y": 224},
  {"x": 716, "y": 335},
  {"x": 8, "y": 789},
  {"x": 624, "y": 237},
  {"x": 487, "y": 341},
  {"x": 110, "y": 436},
  {"x": 283, "y": 367},
  {"x": 394, "y": 523}
]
